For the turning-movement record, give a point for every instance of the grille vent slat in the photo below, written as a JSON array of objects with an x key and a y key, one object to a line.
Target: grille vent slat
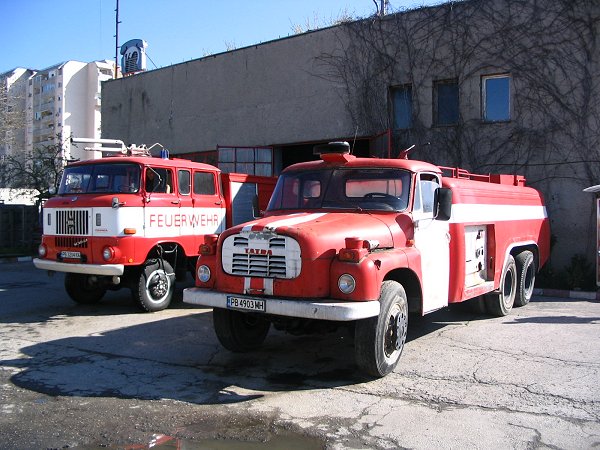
[
  {"x": 277, "y": 243},
  {"x": 273, "y": 257},
  {"x": 72, "y": 222},
  {"x": 70, "y": 242}
]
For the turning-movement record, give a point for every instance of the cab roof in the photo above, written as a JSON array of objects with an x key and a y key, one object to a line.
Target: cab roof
[
  {"x": 144, "y": 160},
  {"x": 351, "y": 161}
]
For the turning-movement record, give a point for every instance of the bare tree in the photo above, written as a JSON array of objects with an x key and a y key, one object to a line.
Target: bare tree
[
  {"x": 40, "y": 169},
  {"x": 550, "y": 48},
  {"x": 344, "y": 16}
]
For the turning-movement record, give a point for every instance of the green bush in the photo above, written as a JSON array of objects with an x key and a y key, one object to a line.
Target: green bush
[{"x": 578, "y": 275}]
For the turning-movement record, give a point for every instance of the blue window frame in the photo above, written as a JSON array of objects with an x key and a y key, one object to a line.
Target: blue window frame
[
  {"x": 495, "y": 96},
  {"x": 446, "y": 110},
  {"x": 402, "y": 106}
]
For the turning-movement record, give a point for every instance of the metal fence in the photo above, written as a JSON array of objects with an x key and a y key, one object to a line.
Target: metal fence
[{"x": 20, "y": 230}]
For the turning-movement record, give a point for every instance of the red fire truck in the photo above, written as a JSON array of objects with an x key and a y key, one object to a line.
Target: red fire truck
[
  {"x": 364, "y": 242},
  {"x": 139, "y": 221}
]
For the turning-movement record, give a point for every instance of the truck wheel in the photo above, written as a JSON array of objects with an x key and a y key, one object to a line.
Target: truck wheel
[
  {"x": 83, "y": 289},
  {"x": 378, "y": 341},
  {"x": 500, "y": 303},
  {"x": 155, "y": 285},
  {"x": 239, "y": 332},
  {"x": 525, "y": 277}
]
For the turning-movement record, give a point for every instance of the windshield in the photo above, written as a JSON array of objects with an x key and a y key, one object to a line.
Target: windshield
[
  {"x": 364, "y": 188},
  {"x": 100, "y": 178}
]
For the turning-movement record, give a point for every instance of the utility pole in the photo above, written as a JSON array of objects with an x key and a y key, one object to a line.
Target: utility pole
[
  {"x": 117, "y": 22},
  {"x": 382, "y": 7}
]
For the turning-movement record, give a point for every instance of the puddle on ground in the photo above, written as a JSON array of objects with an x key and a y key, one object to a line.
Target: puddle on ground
[
  {"x": 288, "y": 442},
  {"x": 275, "y": 442}
]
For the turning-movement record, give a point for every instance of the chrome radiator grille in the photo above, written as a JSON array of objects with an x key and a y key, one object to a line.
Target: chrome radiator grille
[
  {"x": 72, "y": 222},
  {"x": 263, "y": 257}
]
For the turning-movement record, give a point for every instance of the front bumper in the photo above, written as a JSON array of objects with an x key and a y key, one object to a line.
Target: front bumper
[
  {"x": 307, "y": 309},
  {"x": 88, "y": 269}
]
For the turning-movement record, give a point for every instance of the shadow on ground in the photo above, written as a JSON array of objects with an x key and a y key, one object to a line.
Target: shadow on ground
[{"x": 179, "y": 358}]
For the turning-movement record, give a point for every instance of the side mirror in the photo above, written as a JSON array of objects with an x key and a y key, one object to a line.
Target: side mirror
[
  {"x": 443, "y": 203},
  {"x": 255, "y": 209}
]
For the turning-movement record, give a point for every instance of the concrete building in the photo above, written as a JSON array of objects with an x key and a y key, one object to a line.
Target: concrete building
[
  {"x": 509, "y": 86},
  {"x": 13, "y": 95},
  {"x": 65, "y": 99}
]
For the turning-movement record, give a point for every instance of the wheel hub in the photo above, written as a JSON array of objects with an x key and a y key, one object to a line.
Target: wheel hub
[
  {"x": 158, "y": 285},
  {"x": 395, "y": 333}
]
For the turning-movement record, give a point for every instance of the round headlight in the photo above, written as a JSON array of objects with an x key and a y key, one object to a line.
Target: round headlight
[
  {"x": 346, "y": 283},
  {"x": 108, "y": 253},
  {"x": 203, "y": 273},
  {"x": 42, "y": 250}
]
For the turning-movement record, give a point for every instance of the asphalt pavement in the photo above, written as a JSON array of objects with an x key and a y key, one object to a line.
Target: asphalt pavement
[{"x": 108, "y": 375}]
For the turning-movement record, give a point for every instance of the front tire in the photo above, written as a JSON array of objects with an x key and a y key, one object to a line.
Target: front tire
[
  {"x": 379, "y": 341},
  {"x": 239, "y": 332},
  {"x": 526, "y": 277},
  {"x": 500, "y": 303},
  {"x": 155, "y": 285},
  {"x": 84, "y": 289}
]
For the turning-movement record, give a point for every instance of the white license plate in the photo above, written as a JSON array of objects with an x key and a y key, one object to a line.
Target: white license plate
[
  {"x": 247, "y": 304},
  {"x": 70, "y": 255}
]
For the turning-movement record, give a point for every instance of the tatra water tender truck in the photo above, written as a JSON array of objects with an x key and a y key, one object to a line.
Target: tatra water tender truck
[{"x": 365, "y": 241}]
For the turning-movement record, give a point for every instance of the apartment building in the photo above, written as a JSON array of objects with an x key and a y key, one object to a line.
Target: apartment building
[
  {"x": 13, "y": 94},
  {"x": 65, "y": 100}
]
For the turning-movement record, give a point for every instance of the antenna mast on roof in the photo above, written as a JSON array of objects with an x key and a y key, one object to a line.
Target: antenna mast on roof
[{"x": 117, "y": 22}]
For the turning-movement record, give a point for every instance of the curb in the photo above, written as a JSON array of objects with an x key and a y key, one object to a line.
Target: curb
[
  {"x": 15, "y": 259},
  {"x": 579, "y": 295}
]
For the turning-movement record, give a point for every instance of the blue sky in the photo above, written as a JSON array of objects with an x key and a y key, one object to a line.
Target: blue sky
[{"x": 40, "y": 33}]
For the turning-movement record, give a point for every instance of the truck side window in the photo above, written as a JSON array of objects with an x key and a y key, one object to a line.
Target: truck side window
[
  {"x": 425, "y": 193},
  {"x": 204, "y": 183},
  {"x": 184, "y": 182},
  {"x": 158, "y": 179}
]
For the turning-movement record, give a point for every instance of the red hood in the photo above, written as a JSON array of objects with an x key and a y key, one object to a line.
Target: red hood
[{"x": 324, "y": 230}]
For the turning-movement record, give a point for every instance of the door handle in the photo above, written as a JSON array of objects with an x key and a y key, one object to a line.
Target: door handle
[{"x": 176, "y": 202}]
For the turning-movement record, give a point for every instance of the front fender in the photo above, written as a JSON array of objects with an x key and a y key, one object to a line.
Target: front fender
[{"x": 370, "y": 272}]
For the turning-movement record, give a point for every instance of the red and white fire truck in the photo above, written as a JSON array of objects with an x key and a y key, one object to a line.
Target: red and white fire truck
[
  {"x": 139, "y": 221},
  {"x": 364, "y": 242}
]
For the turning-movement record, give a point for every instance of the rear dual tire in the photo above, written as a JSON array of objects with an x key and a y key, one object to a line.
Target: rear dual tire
[
  {"x": 526, "y": 270},
  {"x": 516, "y": 285},
  {"x": 501, "y": 302}
]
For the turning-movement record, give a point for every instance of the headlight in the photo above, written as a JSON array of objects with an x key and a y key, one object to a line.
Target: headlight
[
  {"x": 108, "y": 253},
  {"x": 203, "y": 273},
  {"x": 42, "y": 251},
  {"x": 346, "y": 283}
]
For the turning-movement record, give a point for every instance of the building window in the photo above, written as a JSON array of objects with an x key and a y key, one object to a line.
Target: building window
[
  {"x": 495, "y": 98},
  {"x": 402, "y": 106},
  {"x": 250, "y": 160},
  {"x": 445, "y": 98}
]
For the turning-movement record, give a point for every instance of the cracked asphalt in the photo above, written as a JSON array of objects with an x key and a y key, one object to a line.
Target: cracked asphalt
[{"x": 107, "y": 375}]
